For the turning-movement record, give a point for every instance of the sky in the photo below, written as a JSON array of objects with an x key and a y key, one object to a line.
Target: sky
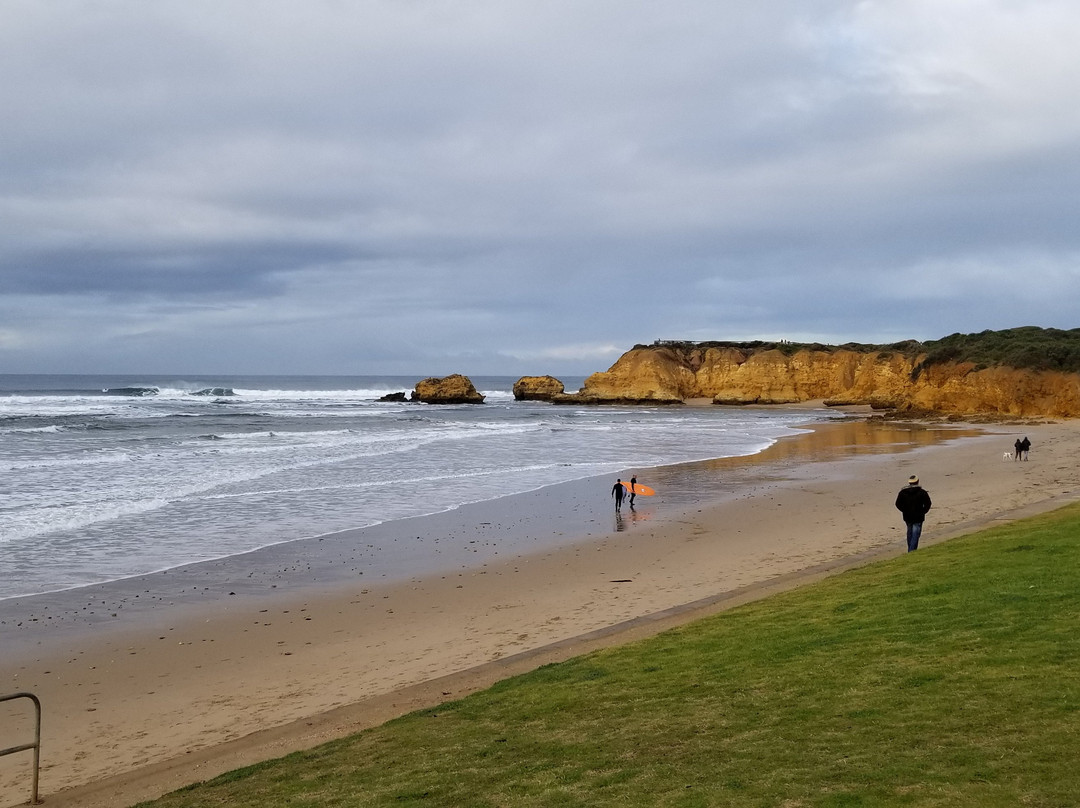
[{"x": 521, "y": 188}]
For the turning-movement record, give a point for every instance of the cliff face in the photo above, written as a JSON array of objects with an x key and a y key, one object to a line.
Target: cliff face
[{"x": 670, "y": 374}]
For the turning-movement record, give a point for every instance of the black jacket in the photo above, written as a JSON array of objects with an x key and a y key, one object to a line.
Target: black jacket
[{"x": 913, "y": 502}]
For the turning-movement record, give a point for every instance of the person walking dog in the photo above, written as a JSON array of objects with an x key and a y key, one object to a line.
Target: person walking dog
[{"x": 913, "y": 502}]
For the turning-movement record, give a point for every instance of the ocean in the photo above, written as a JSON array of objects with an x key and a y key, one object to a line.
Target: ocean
[{"x": 107, "y": 477}]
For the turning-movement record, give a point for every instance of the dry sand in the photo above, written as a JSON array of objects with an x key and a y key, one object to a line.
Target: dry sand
[{"x": 165, "y": 680}]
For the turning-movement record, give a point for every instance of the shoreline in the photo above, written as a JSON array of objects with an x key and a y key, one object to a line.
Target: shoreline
[
  {"x": 228, "y": 680},
  {"x": 236, "y": 565},
  {"x": 492, "y": 530}
]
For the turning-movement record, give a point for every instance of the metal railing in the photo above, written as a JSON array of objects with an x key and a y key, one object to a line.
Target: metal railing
[{"x": 36, "y": 745}]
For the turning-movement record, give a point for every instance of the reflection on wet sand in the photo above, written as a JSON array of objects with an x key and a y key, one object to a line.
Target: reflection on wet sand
[
  {"x": 690, "y": 482},
  {"x": 630, "y": 516}
]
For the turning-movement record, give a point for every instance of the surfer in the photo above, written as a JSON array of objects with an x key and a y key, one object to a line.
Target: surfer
[
  {"x": 617, "y": 492},
  {"x": 633, "y": 490}
]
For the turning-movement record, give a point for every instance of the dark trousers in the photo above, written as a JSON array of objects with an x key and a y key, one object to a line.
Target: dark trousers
[{"x": 914, "y": 531}]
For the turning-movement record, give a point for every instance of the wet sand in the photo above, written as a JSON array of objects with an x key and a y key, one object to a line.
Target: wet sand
[{"x": 159, "y": 681}]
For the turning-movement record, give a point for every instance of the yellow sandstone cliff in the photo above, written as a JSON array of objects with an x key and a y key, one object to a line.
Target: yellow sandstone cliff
[{"x": 668, "y": 374}]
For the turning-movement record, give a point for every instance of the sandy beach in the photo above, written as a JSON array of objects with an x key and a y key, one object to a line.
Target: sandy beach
[{"x": 153, "y": 683}]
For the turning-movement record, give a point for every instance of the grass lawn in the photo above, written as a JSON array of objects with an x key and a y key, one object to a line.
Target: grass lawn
[{"x": 947, "y": 677}]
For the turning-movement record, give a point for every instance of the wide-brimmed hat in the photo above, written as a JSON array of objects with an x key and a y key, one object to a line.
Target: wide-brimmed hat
[{"x": 913, "y": 480}]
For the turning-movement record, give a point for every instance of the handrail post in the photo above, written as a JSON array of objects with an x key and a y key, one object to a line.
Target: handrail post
[{"x": 36, "y": 745}]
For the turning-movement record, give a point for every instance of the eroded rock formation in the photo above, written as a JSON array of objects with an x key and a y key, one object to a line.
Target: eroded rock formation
[
  {"x": 664, "y": 374},
  {"x": 537, "y": 388},
  {"x": 453, "y": 389}
]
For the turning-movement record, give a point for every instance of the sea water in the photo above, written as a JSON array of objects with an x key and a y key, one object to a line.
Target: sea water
[{"x": 107, "y": 477}]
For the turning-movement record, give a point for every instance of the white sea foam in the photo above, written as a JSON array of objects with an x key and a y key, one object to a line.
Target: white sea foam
[
  {"x": 98, "y": 487},
  {"x": 60, "y": 462},
  {"x": 51, "y": 429}
]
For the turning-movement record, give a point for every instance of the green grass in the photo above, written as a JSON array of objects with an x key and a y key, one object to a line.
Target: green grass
[{"x": 947, "y": 677}]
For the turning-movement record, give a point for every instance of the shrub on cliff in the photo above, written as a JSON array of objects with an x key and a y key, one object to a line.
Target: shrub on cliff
[{"x": 1026, "y": 348}]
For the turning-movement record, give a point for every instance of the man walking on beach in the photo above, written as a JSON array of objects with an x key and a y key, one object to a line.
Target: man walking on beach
[
  {"x": 617, "y": 492},
  {"x": 913, "y": 502},
  {"x": 633, "y": 490}
]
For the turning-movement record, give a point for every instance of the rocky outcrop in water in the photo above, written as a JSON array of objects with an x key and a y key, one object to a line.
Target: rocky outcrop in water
[
  {"x": 537, "y": 388},
  {"x": 453, "y": 389},
  {"x": 674, "y": 373},
  {"x": 131, "y": 391}
]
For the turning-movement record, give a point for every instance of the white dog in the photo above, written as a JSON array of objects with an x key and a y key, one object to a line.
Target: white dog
[{"x": 1008, "y": 456}]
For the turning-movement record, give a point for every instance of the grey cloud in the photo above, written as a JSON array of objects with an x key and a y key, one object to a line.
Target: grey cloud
[
  {"x": 533, "y": 176},
  {"x": 188, "y": 271}
]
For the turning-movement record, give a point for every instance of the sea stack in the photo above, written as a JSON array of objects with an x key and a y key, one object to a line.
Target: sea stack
[
  {"x": 537, "y": 388},
  {"x": 453, "y": 389}
]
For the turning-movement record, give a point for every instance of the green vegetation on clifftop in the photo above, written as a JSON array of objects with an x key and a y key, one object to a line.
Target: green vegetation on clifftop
[
  {"x": 1025, "y": 348},
  {"x": 1028, "y": 348}
]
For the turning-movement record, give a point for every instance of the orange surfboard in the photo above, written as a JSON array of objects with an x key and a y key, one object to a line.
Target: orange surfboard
[{"x": 639, "y": 489}]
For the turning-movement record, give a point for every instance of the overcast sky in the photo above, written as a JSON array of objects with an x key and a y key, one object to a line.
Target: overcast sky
[{"x": 499, "y": 186}]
